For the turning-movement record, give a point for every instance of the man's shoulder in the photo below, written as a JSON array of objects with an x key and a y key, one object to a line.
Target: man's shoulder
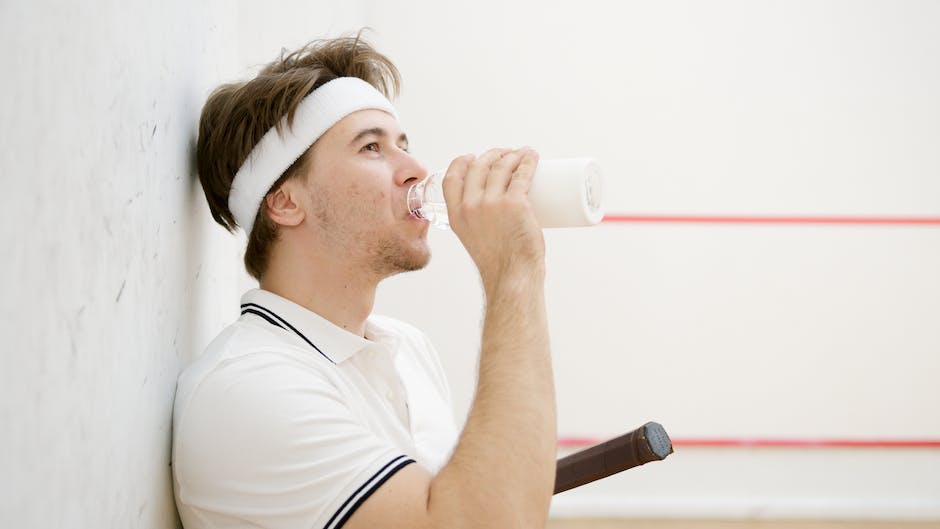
[
  {"x": 242, "y": 347},
  {"x": 245, "y": 339}
]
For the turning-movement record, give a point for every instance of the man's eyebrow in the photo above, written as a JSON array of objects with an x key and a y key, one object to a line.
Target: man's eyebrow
[{"x": 380, "y": 132}]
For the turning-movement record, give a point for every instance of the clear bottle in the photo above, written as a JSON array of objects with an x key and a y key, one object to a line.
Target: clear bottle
[{"x": 565, "y": 192}]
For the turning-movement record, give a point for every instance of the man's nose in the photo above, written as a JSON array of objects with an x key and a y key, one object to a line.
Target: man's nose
[{"x": 411, "y": 171}]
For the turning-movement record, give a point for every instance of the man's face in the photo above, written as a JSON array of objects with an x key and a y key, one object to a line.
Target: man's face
[{"x": 358, "y": 177}]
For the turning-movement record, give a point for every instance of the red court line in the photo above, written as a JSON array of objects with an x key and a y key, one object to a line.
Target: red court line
[
  {"x": 772, "y": 219},
  {"x": 580, "y": 442}
]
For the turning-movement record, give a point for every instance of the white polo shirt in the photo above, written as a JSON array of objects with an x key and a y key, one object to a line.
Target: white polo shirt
[{"x": 288, "y": 421}]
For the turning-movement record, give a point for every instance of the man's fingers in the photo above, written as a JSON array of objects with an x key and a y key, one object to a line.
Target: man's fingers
[
  {"x": 475, "y": 180},
  {"x": 521, "y": 180},
  {"x": 470, "y": 181},
  {"x": 454, "y": 180},
  {"x": 500, "y": 174}
]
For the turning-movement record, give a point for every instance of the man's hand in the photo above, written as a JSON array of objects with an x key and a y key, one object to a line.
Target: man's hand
[
  {"x": 488, "y": 208},
  {"x": 502, "y": 472}
]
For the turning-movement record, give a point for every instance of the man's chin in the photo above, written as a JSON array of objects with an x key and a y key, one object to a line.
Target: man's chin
[
  {"x": 417, "y": 262},
  {"x": 406, "y": 260}
]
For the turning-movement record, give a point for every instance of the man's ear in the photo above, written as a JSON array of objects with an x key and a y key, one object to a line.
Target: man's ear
[{"x": 284, "y": 208}]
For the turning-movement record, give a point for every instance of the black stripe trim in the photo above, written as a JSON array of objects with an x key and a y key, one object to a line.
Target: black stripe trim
[
  {"x": 245, "y": 306},
  {"x": 371, "y": 485},
  {"x": 263, "y": 315}
]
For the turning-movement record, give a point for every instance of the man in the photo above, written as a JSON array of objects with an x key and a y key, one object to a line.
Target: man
[{"x": 310, "y": 412}]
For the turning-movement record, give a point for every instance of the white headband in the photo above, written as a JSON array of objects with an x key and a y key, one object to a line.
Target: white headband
[{"x": 274, "y": 154}]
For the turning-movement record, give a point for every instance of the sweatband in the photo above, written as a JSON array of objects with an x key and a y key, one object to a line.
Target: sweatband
[{"x": 277, "y": 151}]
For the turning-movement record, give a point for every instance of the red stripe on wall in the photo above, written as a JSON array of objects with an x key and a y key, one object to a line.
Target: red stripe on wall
[
  {"x": 581, "y": 442},
  {"x": 772, "y": 219}
]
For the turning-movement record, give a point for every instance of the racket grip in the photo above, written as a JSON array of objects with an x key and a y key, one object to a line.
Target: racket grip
[{"x": 649, "y": 442}]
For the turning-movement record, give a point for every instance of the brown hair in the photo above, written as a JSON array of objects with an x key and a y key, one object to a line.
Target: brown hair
[{"x": 237, "y": 115}]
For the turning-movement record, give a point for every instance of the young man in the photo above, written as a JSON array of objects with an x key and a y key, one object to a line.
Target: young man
[{"x": 311, "y": 412}]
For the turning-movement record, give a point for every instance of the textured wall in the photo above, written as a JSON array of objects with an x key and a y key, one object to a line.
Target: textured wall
[
  {"x": 111, "y": 272},
  {"x": 114, "y": 274}
]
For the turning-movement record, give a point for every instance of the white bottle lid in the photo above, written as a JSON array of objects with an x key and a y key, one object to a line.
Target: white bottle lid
[{"x": 567, "y": 192}]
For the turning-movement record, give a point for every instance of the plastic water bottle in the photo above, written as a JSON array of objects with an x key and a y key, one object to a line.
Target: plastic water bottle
[{"x": 565, "y": 192}]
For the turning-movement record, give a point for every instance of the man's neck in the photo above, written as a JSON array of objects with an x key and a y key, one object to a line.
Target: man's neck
[{"x": 335, "y": 292}]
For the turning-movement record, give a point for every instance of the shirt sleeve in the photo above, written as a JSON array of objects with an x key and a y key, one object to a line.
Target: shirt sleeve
[{"x": 268, "y": 441}]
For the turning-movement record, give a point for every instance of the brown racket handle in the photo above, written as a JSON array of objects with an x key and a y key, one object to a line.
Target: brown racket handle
[{"x": 649, "y": 442}]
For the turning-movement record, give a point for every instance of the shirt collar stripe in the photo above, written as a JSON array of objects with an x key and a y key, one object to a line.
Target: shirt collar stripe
[
  {"x": 246, "y": 307},
  {"x": 366, "y": 490},
  {"x": 263, "y": 315}
]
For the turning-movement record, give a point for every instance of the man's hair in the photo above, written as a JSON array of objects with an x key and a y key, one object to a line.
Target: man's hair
[{"x": 237, "y": 115}]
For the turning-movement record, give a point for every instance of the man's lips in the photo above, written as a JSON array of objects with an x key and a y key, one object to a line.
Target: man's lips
[{"x": 415, "y": 216}]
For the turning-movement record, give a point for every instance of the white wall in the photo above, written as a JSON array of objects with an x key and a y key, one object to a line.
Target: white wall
[
  {"x": 115, "y": 275},
  {"x": 113, "y": 272},
  {"x": 722, "y": 331}
]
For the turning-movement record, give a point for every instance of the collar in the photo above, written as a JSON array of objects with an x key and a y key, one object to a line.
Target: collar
[{"x": 331, "y": 341}]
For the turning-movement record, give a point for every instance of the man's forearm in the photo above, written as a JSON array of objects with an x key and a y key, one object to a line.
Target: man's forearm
[{"x": 503, "y": 469}]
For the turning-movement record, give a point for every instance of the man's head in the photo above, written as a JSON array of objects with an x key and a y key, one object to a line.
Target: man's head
[{"x": 255, "y": 137}]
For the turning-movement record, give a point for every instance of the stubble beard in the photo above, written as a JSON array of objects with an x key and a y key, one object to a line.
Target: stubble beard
[
  {"x": 392, "y": 256},
  {"x": 387, "y": 254}
]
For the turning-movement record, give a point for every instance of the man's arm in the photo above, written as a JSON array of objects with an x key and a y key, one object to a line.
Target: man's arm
[{"x": 502, "y": 471}]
